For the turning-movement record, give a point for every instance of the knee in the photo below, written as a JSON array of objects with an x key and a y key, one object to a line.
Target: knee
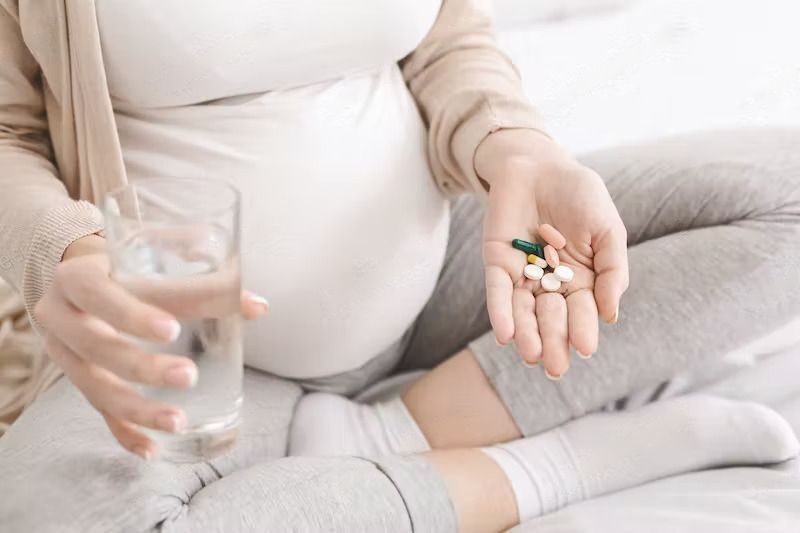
[
  {"x": 775, "y": 153},
  {"x": 768, "y": 159},
  {"x": 86, "y": 491},
  {"x": 756, "y": 169},
  {"x": 65, "y": 472},
  {"x": 61, "y": 470}
]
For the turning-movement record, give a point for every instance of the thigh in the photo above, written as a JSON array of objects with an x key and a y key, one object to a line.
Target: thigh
[
  {"x": 701, "y": 180},
  {"x": 456, "y": 312},
  {"x": 68, "y": 473}
]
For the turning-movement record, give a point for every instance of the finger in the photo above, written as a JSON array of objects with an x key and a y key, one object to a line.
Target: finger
[
  {"x": 131, "y": 438},
  {"x": 108, "y": 394},
  {"x": 86, "y": 285},
  {"x": 582, "y": 322},
  {"x": 214, "y": 294},
  {"x": 552, "y": 236},
  {"x": 611, "y": 267},
  {"x": 96, "y": 342},
  {"x": 253, "y": 305},
  {"x": 499, "y": 291},
  {"x": 551, "y": 314},
  {"x": 526, "y": 336}
]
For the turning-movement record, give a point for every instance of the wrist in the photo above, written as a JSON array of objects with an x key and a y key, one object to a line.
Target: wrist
[
  {"x": 89, "y": 244},
  {"x": 515, "y": 152}
]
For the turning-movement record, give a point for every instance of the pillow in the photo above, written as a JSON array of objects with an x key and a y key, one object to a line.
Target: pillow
[{"x": 511, "y": 13}]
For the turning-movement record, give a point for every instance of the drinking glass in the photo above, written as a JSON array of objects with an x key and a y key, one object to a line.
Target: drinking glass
[{"x": 174, "y": 243}]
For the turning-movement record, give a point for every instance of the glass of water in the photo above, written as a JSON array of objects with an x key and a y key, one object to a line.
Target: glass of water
[{"x": 174, "y": 243}]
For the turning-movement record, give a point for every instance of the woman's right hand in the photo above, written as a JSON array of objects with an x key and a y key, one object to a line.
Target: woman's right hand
[{"x": 84, "y": 315}]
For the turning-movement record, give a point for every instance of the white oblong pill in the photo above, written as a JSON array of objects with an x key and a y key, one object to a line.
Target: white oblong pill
[
  {"x": 534, "y": 272},
  {"x": 564, "y": 273},
  {"x": 550, "y": 282}
]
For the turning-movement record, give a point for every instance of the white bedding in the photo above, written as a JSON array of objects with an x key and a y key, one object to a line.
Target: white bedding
[
  {"x": 735, "y": 500},
  {"x": 655, "y": 68},
  {"x": 659, "y": 67}
]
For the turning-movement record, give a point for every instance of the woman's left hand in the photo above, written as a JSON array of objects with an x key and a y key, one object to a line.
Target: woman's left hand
[{"x": 533, "y": 181}]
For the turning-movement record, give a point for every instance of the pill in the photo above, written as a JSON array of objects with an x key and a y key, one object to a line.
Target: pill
[
  {"x": 533, "y": 272},
  {"x": 550, "y": 282},
  {"x": 536, "y": 260},
  {"x": 551, "y": 256},
  {"x": 528, "y": 247},
  {"x": 552, "y": 236},
  {"x": 564, "y": 273}
]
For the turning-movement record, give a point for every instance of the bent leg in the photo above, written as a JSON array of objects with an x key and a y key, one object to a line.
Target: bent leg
[
  {"x": 61, "y": 470},
  {"x": 714, "y": 235}
]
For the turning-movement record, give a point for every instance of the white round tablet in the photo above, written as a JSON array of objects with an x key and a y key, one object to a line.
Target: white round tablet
[
  {"x": 550, "y": 282},
  {"x": 564, "y": 273},
  {"x": 533, "y": 272}
]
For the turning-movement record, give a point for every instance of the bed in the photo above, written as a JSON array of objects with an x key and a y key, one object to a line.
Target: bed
[
  {"x": 610, "y": 72},
  {"x": 657, "y": 67}
]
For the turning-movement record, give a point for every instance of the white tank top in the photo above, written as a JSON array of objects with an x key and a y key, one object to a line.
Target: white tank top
[{"x": 301, "y": 105}]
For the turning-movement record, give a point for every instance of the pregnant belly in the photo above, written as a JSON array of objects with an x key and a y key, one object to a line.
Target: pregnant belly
[{"x": 343, "y": 229}]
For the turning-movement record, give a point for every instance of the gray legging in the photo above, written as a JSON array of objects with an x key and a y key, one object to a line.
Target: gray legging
[{"x": 714, "y": 225}]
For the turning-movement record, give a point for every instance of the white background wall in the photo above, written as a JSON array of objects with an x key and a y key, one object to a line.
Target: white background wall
[{"x": 658, "y": 67}]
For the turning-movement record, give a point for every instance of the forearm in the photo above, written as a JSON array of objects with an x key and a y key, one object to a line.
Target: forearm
[{"x": 38, "y": 219}]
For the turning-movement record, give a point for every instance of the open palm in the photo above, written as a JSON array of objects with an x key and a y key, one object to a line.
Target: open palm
[{"x": 573, "y": 199}]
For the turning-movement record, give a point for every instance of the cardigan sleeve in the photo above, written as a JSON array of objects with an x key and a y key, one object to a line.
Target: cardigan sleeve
[
  {"x": 38, "y": 219},
  {"x": 465, "y": 88}
]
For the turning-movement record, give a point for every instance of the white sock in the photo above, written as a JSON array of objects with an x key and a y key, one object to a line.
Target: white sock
[
  {"x": 607, "y": 452},
  {"x": 327, "y": 424}
]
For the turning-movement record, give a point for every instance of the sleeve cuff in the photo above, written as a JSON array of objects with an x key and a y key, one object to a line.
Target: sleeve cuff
[
  {"x": 491, "y": 116},
  {"x": 58, "y": 229}
]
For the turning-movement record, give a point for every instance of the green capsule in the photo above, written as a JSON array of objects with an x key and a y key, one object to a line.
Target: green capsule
[{"x": 528, "y": 247}]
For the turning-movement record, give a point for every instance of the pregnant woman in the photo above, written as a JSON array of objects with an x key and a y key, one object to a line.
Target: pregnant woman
[{"x": 351, "y": 127}]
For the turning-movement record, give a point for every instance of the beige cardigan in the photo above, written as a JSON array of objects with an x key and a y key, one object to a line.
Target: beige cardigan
[{"x": 59, "y": 149}]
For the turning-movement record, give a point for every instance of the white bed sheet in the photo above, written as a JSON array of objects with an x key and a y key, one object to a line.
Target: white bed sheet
[
  {"x": 736, "y": 500},
  {"x": 660, "y": 67}
]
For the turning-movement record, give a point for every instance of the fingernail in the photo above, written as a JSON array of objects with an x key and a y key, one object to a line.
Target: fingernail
[
  {"x": 183, "y": 376},
  {"x": 551, "y": 377},
  {"x": 167, "y": 329},
  {"x": 143, "y": 452},
  {"x": 582, "y": 356},
  {"x": 529, "y": 365},
  {"x": 615, "y": 317},
  {"x": 170, "y": 421},
  {"x": 256, "y": 299},
  {"x": 500, "y": 344}
]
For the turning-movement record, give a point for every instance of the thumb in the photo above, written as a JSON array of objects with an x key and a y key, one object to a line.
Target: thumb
[
  {"x": 253, "y": 305},
  {"x": 611, "y": 269}
]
